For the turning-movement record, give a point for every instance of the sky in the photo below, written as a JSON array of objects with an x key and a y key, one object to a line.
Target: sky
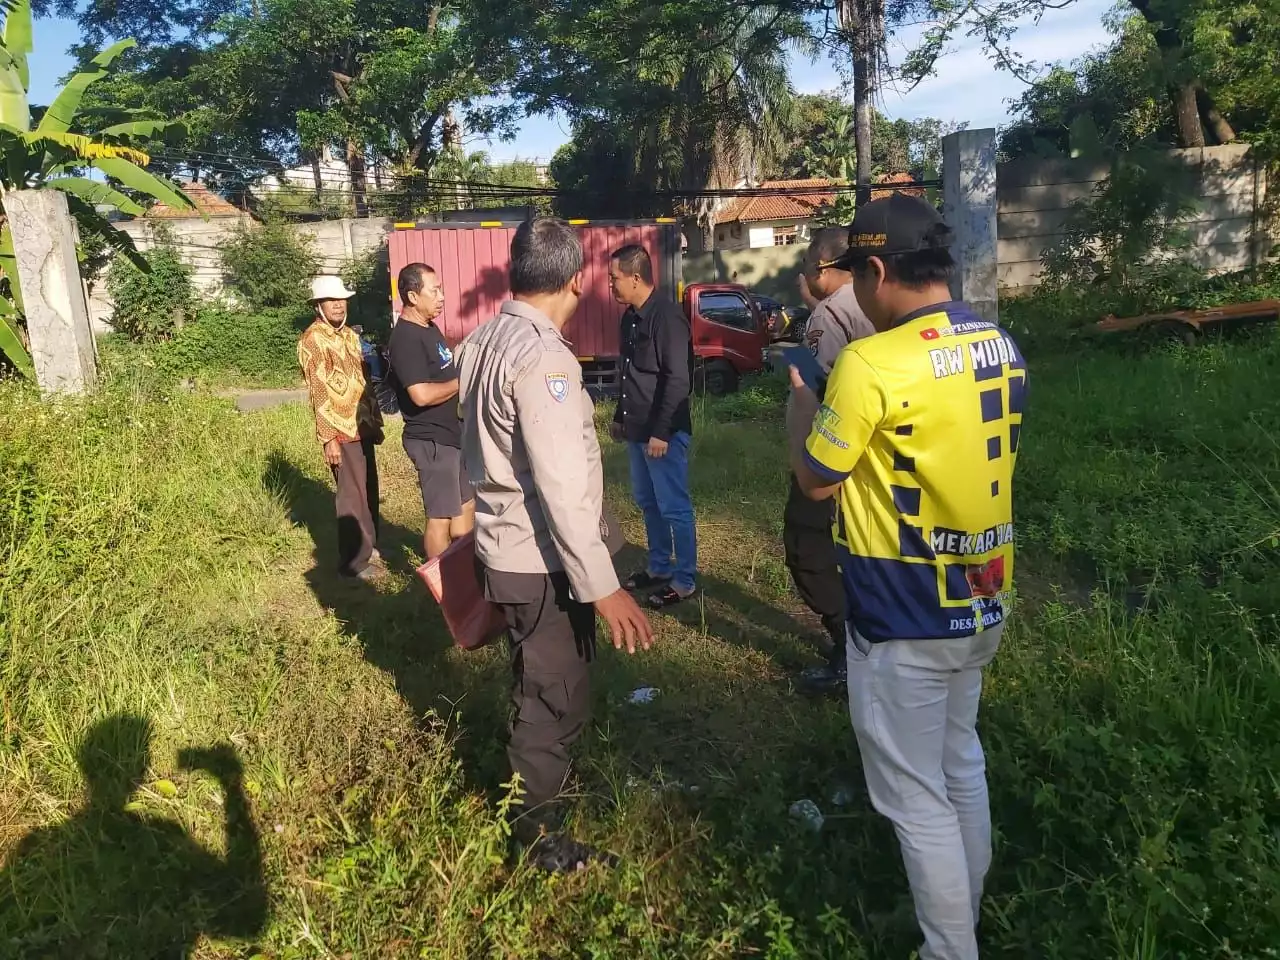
[{"x": 967, "y": 87}]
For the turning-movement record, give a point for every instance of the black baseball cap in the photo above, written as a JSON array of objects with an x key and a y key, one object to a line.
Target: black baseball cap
[{"x": 891, "y": 225}]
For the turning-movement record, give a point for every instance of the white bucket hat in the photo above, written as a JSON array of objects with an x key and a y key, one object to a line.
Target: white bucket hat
[{"x": 329, "y": 287}]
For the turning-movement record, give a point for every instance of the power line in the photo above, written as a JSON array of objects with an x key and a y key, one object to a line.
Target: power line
[{"x": 420, "y": 184}]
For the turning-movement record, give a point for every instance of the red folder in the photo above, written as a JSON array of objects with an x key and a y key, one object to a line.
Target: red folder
[{"x": 453, "y": 581}]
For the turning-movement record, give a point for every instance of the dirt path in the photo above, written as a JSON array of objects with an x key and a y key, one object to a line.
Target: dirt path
[{"x": 248, "y": 401}]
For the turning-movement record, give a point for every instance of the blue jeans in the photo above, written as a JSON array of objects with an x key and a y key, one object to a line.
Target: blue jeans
[{"x": 661, "y": 490}]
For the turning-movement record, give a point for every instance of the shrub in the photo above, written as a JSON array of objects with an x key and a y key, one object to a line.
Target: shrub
[
  {"x": 230, "y": 346},
  {"x": 1055, "y": 312},
  {"x": 268, "y": 265},
  {"x": 152, "y": 305},
  {"x": 370, "y": 277},
  {"x": 93, "y": 253},
  {"x": 758, "y": 397}
]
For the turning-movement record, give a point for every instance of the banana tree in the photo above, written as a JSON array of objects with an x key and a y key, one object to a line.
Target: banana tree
[{"x": 58, "y": 154}]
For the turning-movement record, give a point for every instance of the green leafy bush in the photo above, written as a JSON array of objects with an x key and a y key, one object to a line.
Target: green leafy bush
[
  {"x": 229, "y": 346},
  {"x": 268, "y": 265},
  {"x": 219, "y": 348},
  {"x": 154, "y": 304},
  {"x": 370, "y": 277},
  {"x": 759, "y": 397}
]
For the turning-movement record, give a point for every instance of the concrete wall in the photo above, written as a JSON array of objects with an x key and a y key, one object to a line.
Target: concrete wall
[
  {"x": 1228, "y": 231},
  {"x": 770, "y": 271},
  {"x": 335, "y": 242}
]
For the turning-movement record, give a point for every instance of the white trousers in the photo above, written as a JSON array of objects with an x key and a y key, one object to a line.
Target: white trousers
[{"x": 914, "y": 705}]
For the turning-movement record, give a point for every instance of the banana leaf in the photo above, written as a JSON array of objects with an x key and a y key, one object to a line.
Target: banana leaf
[
  {"x": 62, "y": 112},
  {"x": 135, "y": 178},
  {"x": 94, "y": 192},
  {"x": 11, "y": 344}
]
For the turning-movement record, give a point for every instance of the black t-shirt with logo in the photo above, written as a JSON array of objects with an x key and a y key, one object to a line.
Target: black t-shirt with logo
[{"x": 419, "y": 354}]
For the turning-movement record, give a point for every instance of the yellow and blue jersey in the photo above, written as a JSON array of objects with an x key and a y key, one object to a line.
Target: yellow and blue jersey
[{"x": 919, "y": 426}]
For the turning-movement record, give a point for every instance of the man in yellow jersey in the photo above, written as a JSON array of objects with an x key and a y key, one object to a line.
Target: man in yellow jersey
[{"x": 916, "y": 437}]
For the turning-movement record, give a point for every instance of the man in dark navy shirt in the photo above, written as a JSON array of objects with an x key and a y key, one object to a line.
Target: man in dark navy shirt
[
  {"x": 426, "y": 384},
  {"x": 653, "y": 418}
]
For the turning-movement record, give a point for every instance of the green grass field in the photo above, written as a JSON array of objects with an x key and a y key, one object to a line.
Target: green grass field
[{"x": 286, "y": 765}]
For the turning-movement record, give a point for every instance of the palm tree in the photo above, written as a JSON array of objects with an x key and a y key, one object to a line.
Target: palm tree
[
  {"x": 719, "y": 112},
  {"x": 862, "y": 25},
  {"x": 56, "y": 154}
]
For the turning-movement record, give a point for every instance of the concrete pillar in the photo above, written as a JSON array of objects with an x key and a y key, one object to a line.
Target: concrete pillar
[
  {"x": 969, "y": 207},
  {"x": 62, "y": 346}
]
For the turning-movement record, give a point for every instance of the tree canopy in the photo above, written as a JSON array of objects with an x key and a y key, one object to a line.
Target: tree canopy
[
  {"x": 1178, "y": 73},
  {"x": 662, "y": 95}
]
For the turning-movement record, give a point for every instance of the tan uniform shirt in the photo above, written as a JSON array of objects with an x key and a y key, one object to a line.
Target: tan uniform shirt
[
  {"x": 333, "y": 366},
  {"x": 529, "y": 447},
  {"x": 836, "y": 322}
]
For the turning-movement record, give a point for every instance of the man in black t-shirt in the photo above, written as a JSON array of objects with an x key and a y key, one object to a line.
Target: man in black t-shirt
[{"x": 426, "y": 384}]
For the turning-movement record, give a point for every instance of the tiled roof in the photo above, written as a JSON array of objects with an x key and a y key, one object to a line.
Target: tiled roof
[
  {"x": 802, "y": 206},
  {"x": 206, "y": 201},
  {"x": 896, "y": 178},
  {"x": 779, "y": 206}
]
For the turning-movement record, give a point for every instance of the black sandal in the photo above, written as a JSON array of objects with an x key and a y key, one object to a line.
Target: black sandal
[
  {"x": 643, "y": 580},
  {"x": 669, "y": 597}
]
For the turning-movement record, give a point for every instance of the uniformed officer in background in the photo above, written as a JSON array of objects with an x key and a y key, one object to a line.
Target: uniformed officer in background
[
  {"x": 530, "y": 449},
  {"x": 837, "y": 321}
]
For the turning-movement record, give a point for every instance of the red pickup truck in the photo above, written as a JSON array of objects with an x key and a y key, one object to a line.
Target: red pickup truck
[{"x": 730, "y": 334}]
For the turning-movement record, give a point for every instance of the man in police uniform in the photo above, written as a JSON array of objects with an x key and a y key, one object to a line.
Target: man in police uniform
[
  {"x": 916, "y": 437},
  {"x": 530, "y": 450},
  {"x": 836, "y": 321}
]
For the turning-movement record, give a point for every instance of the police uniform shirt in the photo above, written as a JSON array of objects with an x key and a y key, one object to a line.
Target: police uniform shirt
[
  {"x": 920, "y": 427},
  {"x": 529, "y": 448},
  {"x": 835, "y": 323}
]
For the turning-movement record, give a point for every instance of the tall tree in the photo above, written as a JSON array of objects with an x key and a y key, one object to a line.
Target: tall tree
[
  {"x": 821, "y": 144},
  {"x": 1131, "y": 93},
  {"x": 694, "y": 95},
  {"x": 1204, "y": 46},
  {"x": 1120, "y": 90},
  {"x": 283, "y": 79},
  {"x": 862, "y": 23}
]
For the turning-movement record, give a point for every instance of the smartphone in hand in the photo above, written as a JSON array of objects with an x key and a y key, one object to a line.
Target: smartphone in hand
[{"x": 802, "y": 359}]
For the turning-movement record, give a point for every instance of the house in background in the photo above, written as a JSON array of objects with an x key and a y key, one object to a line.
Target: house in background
[
  {"x": 196, "y": 233},
  {"x": 332, "y": 172},
  {"x": 777, "y": 220}
]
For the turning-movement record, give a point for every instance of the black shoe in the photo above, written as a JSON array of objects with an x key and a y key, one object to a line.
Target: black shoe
[
  {"x": 830, "y": 679},
  {"x": 560, "y": 853},
  {"x": 669, "y": 596},
  {"x": 643, "y": 580}
]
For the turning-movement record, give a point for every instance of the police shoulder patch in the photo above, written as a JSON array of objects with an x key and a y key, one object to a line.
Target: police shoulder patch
[
  {"x": 558, "y": 386},
  {"x": 811, "y": 341}
]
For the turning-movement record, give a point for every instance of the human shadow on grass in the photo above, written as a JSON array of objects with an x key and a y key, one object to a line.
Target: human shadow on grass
[
  {"x": 112, "y": 882},
  {"x": 401, "y": 629},
  {"x": 729, "y": 612}
]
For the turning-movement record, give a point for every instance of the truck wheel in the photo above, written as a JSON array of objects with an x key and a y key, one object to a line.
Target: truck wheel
[{"x": 719, "y": 378}]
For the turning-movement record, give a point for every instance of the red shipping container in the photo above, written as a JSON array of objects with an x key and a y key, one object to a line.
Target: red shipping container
[{"x": 472, "y": 260}]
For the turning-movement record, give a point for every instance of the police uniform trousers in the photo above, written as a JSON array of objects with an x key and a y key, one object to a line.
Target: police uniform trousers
[
  {"x": 552, "y": 642},
  {"x": 811, "y": 558}
]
